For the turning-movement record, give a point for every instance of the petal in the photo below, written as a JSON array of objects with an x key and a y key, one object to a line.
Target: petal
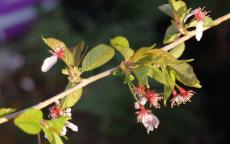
[
  {"x": 72, "y": 126},
  {"x": 199, "y": 30},
  {"x": 143, "y": 100},
  {"x": 188, "y": 16},
  {"x": 63, "y": 132},
  {"x": 48, "y": 63},
  {"x": 68, "y": 110}
]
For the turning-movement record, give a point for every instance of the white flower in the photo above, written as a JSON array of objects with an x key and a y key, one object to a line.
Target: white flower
[
  {"x": 149, "y": 120},
  {"x": 177, "y": 100},
  {"x": 199, "y": 30},
  {"x": 70, "y": 125},
  {"x": 49, "y": 62}
]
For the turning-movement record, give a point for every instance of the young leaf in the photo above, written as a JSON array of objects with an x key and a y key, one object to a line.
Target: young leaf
[
  {"x": 171, "y": 34},
  {"x": 6, "y": 111},
  {"x": 141, "y": 73},
  {"x": 158, "y": 56},
  {"x": 178, "y": 50},
  {"x": 122, "y": 45},
  {"x": 170, "y": 82},
  {"x": 166, "y": 8},
  {"x": 97, "y": 57},
  {"x": 208, "y": 22},
  {"x": 56, "y": 44},
  {"x": 185, "y": 74},
  {"x": 157, "y": 74},
  {"x": 51, "y": 135},
  {"x": 57, "y": 124},
  {"x": 29, "y": 121},
  {"x": 71, "y": 99},
  {"x": 77, "y": 52},
  {"x": 180, "y": 8},
  {"x": 140, "y": 53}
]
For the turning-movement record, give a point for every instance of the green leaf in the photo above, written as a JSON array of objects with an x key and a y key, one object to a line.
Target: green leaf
[
  {"x": 97, "y": 57},
  {"x": 157, "y": 74},
  {"x": 208, "y": 22},
  {"x": 178, "y": 50},
  {"x": 166, "y": 8},
  {"x": 122, "y": 45},
  {"x": 180, "y": 8},
  {"x": 6, "y": 111},
  {"x": 171, "y": 34},
  {"x": 57, "y": 124},
  {"x": 56, "y": 44},
  {"x": 170, "y": 83},
  {"x": 141, "y": 73},
  {"x": 140, "y": 53},
  {"x": 71, "y": 99},
  {"x": 51, "y": 135},
  {"x": 29, "y": 121},
  {"x": 77, "y": 52},
  {"x": 167, "y": 93},
  {"x": 185, "y": 74},
  {"x": 158, "y": 56}
]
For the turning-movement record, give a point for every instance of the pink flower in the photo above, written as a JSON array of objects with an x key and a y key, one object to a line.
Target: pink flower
[
  {"x": 181, "y": 98},
  {"x": 199, "y": 16},
  {"x": 55, "y": 112},
  {"x": 50, "y": 61},
  {"x": 153, "y": 98},
  {"x": 149, "y": 120},
  {"x": 139, "y": 90}
]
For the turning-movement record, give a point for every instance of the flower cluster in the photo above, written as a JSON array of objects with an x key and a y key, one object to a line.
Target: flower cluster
[
  {"x": 56, "y": 112},
  {"x": 199, "y": 15},
  {"x": 182, "y": 97},
  {"x": 50, "y": 61},
  {"x": 145, "y": 116}
]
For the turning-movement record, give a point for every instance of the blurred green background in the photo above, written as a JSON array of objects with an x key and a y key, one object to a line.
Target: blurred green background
[{"x": 105, "y": 114}]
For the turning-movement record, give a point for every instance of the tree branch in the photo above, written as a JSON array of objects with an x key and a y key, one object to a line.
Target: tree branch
[{"x": 92, "y": 79}]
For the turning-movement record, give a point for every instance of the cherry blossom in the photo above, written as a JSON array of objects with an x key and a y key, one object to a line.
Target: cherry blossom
[{"x": 50, "y": 61}]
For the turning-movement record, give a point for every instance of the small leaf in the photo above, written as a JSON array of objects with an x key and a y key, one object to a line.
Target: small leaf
[
  {"x": 77, "y": 52},
  {"x": 141, "y": 73},
  {"x": 6, "y": 111},
  {"x": 157, "y": 74},
  {"x": 171, "y": 34},
  {"x": 51, "y": 134},
  {"x": 185, "y": 74},
  {"x": 97, "y": 57},
  {"x": 178, "y": 50},
  {"x": 179, "y": 8},
  {"x": 166, "y": 8},
  {"x": 140, "y": 53},
  {"x": 170, "y": 83},
  {"x": 71, "y": 99},
  {"x": 29, "y": 121},
  {"x": 57, "y": 124},
  {"x": 56, "y": 44},
  {"x": 208, "y": 22},
  {"x": 158, "y": 56},
  {"x": 122, "y": 45}
]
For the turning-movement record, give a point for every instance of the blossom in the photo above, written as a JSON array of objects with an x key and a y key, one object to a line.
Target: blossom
[
  {"x": 56, "y": 111},
  {"x": 50, "y": 61},
  {"x": 153, "y": 98},
  {"x": 70, "y": 125},
  {"x": 149, "y": 120},
  {"x": 139, "y": 90},
  {"x": 182, "y": 97},
  {"x": 199, "y": 16}
]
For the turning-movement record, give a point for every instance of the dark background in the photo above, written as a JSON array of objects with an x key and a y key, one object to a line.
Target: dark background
[{"x": 105, "y": 114}]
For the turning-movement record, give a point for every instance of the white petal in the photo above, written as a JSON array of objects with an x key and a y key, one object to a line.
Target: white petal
[
  {"x": 48, "y": 63},
  {"x": 199, "y": 30},
  {"x": 137, "y": 105},
  {"x": 143, "y": 100},
  {"x": 63, "y": 132},
  {"x": 68, "y": 110},
  {"x": 188, "y": 16},
  {"x": 72, "y": 126}
]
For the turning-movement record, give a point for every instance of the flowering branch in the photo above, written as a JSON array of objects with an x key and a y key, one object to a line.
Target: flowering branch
[{"x": 92, "y": 79}]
